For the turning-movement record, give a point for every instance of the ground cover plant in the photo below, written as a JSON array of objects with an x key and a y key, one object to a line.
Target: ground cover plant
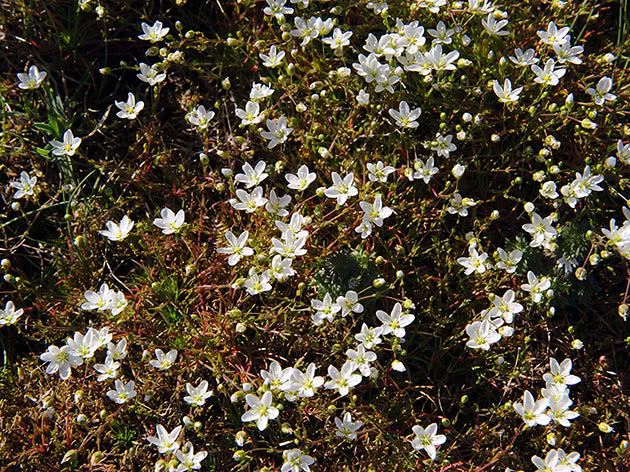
[{"x": 314, "y": 235}]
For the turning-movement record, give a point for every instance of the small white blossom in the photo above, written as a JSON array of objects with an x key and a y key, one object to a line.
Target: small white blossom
[
  {"x": 130, "y": 108},
  {"x": 153, "y": 33},
  {"x": 31, "y": 80},
  {"x": 169, "y": 222}
]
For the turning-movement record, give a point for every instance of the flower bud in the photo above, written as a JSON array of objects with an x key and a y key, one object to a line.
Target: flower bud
[
  {"x": 96, "y": 458},
  {"x": 71, "y": 455},
  {"x": 239, "y": 456},
  {"x": 377, "y": 283},
  {"x": 240, "y": 438},
  {"x": 82, "y": 419},
  {"x": 580, "y": 273}
]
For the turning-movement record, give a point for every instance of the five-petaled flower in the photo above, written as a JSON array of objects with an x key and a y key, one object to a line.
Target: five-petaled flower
[
  {"x": 260, "y": 410},
  {"x": 117, "y": 232},
  {"x": 169, "y": 222},
  {"x": 130, "y": 108},
  {"x": 31, "y": 80},
  {"x": 427, "y": 439},
  {"x": 68, "y": 146}
]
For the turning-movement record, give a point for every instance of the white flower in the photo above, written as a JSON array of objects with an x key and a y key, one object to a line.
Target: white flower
[
  {"x": 249, "y": 202},
  {"x": 339, "y": 39},
  {"x": 427, "y": 439},
  {"x": 237, "y": 248},
  {"x": 507, "y": 306},
  {"x": 361, "y": 359},
  {"x": 274, "y": 58},
  {"x": 536, "y": 287},
  {"x": 601, "y": 93},
  {"x": 378, "y": 7},
  {"x": 568, "y": 53},
  {"x": 569, "y": 460},
  {"x": 277, "y": 9},
  {"x": 363, "y": 98},
  {"x": 349, "y": 303},
  {"x": 482, "y": 334},
  {"x": 130, "y": 108},
  {"x": 305, "y": 384},
  {"x": 305, "y": 29},
  {"x": 325, "y": 309},
  {"x": 258, "y": 283},
  {"x": 494, "y": 27},
  {"x": 198, "y": 395},
  {"x": 432, "y": 5},
  {"x": 342, "y": 189},
  {"x": 170, "y": 222},
  {"x": 553, "y": 35},
  {"x": 25, "y": 186},
  {"x": 378, "y": 172},
  {"x": 296, "y": 461},
  {"x": 441, "y": 34},
  {"x": 549, "y": 75},
  {"x": 97, "y": 300},
  {"x": 505, "y": 93},
  {"x": 252, "y": 176},
  {"x": 369, "y": 337},
  {"x": 370, "y": 69},
  {"x": 277, "y": 378},
  {"x": 165, "y": 442},
  {"x": 560, "y": 374},
  {"x": 346, "y": 428},
  {"x": 108, "y": 370},
  {"x": 117, "y": 232},
  {"x": 84, "y": 345},
  {"x": 150, "y": 75},
  {"x": 459, "y": 205},
  {"x": 281, "y": 268},
  {"x": 508, "y": 262},
  {"x": 404, "y": 116},
  {"x": 259, "y": 91},
  {"x": 541, "y": 230},
  {"x": 10, "y": 315},
  {"x": 549, "y": 464},
  {"x": 153, "y": 33},
  {"x": 424, "y": 170},
  {"x": 365, "y": 229},
  {"x": 294, "y": 227},
  {"x": 32, "y": 80},
  {"x": 290, "y": 245},
  {"x": 343, "y": 380},
  {"x": 443, "y": 145},
  {"x": 69, "y": 145},
  {"x": 123, "y": 393},
  {"x": 61, "y": 360},
  {"x": 276, "y": 205},
  {"x": 163, "y": 361},
  {"x": 375, "y": 212},
  {"x": 559, "y": 411},
  {"x": 548, "y": 190},
  {"x": 117, "y": 351},
  {"x": 532, "y": 411},
  {"x": 251, "y": 114},
  {"x": 395, "y": 322},
  {"x": 440, "y": 61},
  {"x": 260, "y": 410},
  {"x": 189, "y": 460},
  {"x": 302, "y": 180},
  {"x": 200, "y": 117},
  {"x": 475, "y": 263},
  {"x": 278, "y": 132},
  {"x": 524, "y": 59},
  {"x": 398, "y": 366}
]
